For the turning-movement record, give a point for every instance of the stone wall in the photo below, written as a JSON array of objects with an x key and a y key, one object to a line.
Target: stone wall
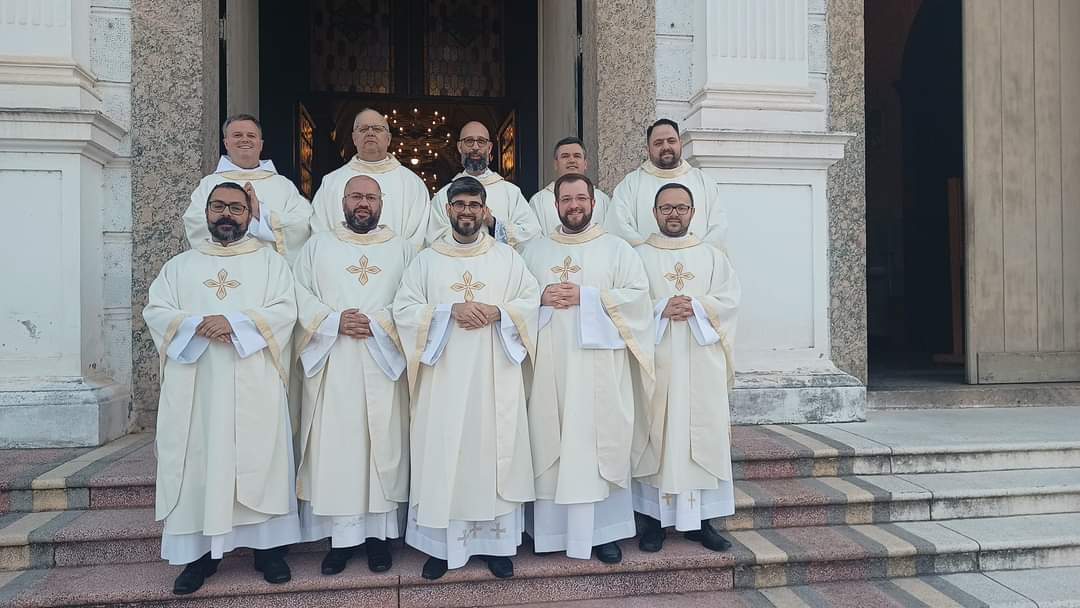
[
  {"x": 175, "y": 141},
  {"x": 847, "y": 188}
]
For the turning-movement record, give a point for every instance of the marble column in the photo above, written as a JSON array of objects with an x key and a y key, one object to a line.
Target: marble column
[
  {"x": 757, "y": 123},
  {"x": 56, "y": 385}
]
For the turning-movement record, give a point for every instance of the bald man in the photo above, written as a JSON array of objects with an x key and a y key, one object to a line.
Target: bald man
[
  {"x": 508, "y": 216},
  {"x": 405, "y": 202}
]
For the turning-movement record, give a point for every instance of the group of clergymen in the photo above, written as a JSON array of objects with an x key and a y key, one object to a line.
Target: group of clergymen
[{"x": 461, "y": 371}]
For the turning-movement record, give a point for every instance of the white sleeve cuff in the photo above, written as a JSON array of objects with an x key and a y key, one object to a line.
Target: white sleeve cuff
[
  {"x": 262, "y": 229},
  {"x": 385, "y": 352},
  {"x": 546, "y": 312},
  {"x": 510, "y": 338},
  {"x": 317, "y": 351},
  {"x": 500, "y": 231},
  {"x": 596, "y": 329},
  {"x": 438, "y": 332},
  {"x": 186, "y": 347},
  {"x": 703, "y": 331},
  {"x": 661, "y": 322},
  {"x": 245, "y": 336}
]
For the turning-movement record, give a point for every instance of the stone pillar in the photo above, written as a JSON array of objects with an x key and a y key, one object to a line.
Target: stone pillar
[
  {"x": 56, "y": 388},
  {"x": 757, "y": 124},
  {"x": 176, "y": 138}
]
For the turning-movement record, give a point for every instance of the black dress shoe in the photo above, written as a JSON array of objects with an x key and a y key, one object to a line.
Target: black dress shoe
[
  {"x": 652, "y": 540},
  {"x": 271, "y": 562},
  {"x": 434, "y": 568},
  {"x": 335, "y": 560},
  {"x": 501, "y": 567},
  {"x": 609, "y": 553},
  {"x": 195, "y": 574},
  {"x": 712, "y": 539},
  {"x": 378, "y": 555}
]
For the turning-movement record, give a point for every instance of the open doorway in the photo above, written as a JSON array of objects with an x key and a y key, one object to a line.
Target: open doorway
[
  {"x": 915, "y": 161},
  {"x": 430, "y": 65}
]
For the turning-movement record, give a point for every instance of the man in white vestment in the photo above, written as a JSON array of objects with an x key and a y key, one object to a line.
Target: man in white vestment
[
  {"x": 280, "y": 215},
  {"x": 354, "y": 461},
  {"x": 631, "y": 214},
  {"x": 595, "y": 315},
  {"x": 222, "y": 316},
  {"x": 569, "y": 158},
  {"x": 406, "y": 201},
  {"x": 682, "y": 442},
  {"x": 508, "y": 217},
  {"x": 466, "y": 313}
]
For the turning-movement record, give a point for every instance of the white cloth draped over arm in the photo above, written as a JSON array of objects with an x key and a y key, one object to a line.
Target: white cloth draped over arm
[
  {"x": 661, "y": 322},
  {"x": 438, "y": 332},
  {"x": 262, "y": 228},
  {"x": 317, "y": 350},
  {"x": 186, "y": 347},
  {"x": 381, "y": 347},
  {"x": 703, "y": 331},
  {"x": 500, "y": 231},
  {"x": 246, "y": 338},
  {"x": 510, "y": 339},
  {"x": 546, "y": 313},
  {"x": 597, "y": 331}
]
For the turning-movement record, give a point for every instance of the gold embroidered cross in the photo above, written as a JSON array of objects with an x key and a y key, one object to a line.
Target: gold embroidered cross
[
  {"x": 499, "y": 530},
  {"x": 364, "y": 270},
  {"x": 223, "y": 284},
  {"x": 691, "y": 500},
  {"x": 467, "y": 286},
  {"x": 565, "y": 270},
  {"x": 680, "y": 276}
]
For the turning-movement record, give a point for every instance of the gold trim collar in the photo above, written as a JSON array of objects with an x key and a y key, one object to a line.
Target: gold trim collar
[
  {"x": 683, "y": 168},
  {"x": 489, "y": 178},
  {"x": 385, "y": 165},
  {"x": 594, "y": 231},
  {"x": 666, "y": 242},
  {"x": 379, "y": 235},
  {"x": 241, "y": 247},
  {"x": 247, "y": 176},
  {"x": 448, "y": 246}
]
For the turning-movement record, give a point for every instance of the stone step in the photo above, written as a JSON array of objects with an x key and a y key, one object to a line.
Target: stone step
[
  {"x": 91, "y": 537},
  {"x": 121, "y": 473},
  {"x": 760, "y": 559},
  {"x": 1059, "y": 587}
]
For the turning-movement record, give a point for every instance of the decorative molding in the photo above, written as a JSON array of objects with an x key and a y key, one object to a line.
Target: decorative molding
[
  {"x": 777, "y": 99},
  {"x": 46, "y": 71},
  {"x": 770, "y": 30},
  {"x": 727, "y": 148},
  {"x": 85, "y": 132},
  {"x": 34, "y": 13}
]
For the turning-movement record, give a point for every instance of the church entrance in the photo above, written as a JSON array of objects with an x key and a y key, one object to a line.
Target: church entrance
[
  {"x": 430, "y": 65},
  {"x": 915, "y": 166}
]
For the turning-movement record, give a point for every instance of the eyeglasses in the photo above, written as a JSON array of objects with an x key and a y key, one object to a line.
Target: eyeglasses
[
  {"x": 678, "y": 209},
  {"x": 475, "y": 141},
  {"x": 233, "y": 208},
  {"x": 376, "y": 129},
  {"x": 460, "y": 206},
  {"x": 581, "y": 198},
  {"x": 357, "y": 197}
]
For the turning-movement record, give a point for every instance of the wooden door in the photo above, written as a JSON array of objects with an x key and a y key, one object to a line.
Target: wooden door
[{"x": 1022, "y": 189}]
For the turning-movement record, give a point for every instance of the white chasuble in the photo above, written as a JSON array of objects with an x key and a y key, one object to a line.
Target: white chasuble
[
  {"x": 590, "y": 361},
  {"x": 515, "y": 222},
  {"x": 543, "y": 205},
  {"x": 354, "y": 466},
  {"x": 284, "y": 214},
  {"x": 471, "y": 467},
  {"x": 224, "y": 459},
  {"x": 631, "y": 215},
  {"x": 682, "y": 439},
  {"x": 405, "y": 202}
]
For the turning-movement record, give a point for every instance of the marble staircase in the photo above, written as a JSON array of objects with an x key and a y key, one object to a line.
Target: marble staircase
[{"x": 895, "y": 505}]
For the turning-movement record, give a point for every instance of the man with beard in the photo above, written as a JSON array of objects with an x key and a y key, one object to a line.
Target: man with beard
[
  {"x": 507, "y": 215},
  {"x": 354, "y": 466},
  {"x": 222, "y": 315},
  {"x": 632, "y": 201},
  {"x": 682, "y": 436},
  {"x": 595, "y": 315},
  {"x": 569, "y": 158},
  {"x": 405, "y": 197},
  {"x": 466, "y": 311},
  {"x": 279, "y": 212}
]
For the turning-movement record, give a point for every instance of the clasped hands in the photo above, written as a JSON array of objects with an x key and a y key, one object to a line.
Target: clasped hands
[
  {"x": 215, "y": 327},
  {"x": 561, "y": 295},
  {"x": 679, "y": 308},
  {"x": 354, "y": 324},
  {"x": 474, "y": 315}
]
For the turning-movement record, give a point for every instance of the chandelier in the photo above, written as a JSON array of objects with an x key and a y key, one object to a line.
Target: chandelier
[{"x": 419, "y": 139}]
